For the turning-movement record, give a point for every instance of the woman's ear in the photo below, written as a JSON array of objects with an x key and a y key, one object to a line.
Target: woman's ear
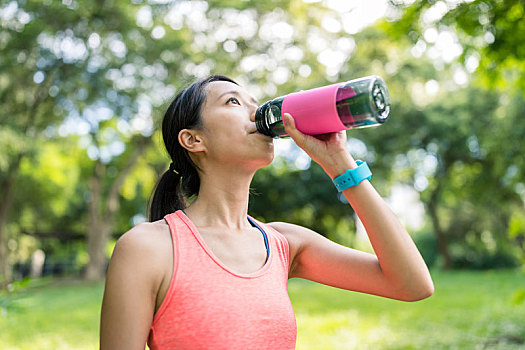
[{"x": 191, "y": 140}]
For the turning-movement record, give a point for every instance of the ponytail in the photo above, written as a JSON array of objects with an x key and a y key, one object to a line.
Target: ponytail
[
  {"x": 181, "y": 181},
  {"x": 167, "y": 196}
]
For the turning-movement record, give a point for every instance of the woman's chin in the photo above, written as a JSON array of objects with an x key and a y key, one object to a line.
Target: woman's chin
[{"x": 265, "y": 161}]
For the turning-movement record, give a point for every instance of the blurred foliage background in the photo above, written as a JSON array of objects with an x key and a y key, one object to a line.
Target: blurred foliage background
[{"x": 84, "y": 84}]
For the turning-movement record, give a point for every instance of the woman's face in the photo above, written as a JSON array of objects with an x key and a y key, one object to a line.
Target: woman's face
[{"x": 229, "y": 131}]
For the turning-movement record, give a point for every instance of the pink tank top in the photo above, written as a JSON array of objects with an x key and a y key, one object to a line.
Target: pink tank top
[{"x": 208, "y": 306}]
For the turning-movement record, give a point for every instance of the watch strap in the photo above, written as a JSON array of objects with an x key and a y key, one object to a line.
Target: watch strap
[{"x": 352, "y": 177}]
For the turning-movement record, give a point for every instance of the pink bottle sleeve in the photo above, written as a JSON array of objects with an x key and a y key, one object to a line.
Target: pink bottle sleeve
[{"x": 314, "y": 111}]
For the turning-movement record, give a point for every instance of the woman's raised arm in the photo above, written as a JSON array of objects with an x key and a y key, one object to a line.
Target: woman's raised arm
[{"x": 397, "y": 271}]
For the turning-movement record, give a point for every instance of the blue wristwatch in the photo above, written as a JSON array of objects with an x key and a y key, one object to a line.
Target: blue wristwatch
[{"x": 353, "y": 177}]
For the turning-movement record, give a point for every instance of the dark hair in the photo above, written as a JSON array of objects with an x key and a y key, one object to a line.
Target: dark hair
[{"x": 175, "y": 186}]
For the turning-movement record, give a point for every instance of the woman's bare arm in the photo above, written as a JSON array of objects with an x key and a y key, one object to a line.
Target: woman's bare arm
[
  {"x": 133, "y": 279},
  {"x": 396, "y": 271}
]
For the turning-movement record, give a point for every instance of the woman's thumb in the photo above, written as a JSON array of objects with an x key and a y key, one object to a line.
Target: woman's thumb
[
  {"x": 289, "y": 124},
  {"x": 292, "y": 131}
]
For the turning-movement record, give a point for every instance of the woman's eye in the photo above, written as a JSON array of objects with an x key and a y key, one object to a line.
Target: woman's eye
[{"x": 233, "y": 99}]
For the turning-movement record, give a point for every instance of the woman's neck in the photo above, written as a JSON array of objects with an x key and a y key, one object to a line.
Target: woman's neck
[{"x": 222, "y": 200}]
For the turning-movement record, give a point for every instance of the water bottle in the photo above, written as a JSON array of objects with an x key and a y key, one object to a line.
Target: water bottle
[{"x": 354, "y": 104}]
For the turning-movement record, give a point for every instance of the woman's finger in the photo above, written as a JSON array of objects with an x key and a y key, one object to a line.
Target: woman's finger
[
  {"x": 291, "y": 129},
  {"x": 289, "y": 123}
]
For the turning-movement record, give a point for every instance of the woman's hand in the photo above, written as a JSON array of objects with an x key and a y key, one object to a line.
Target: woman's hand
[{"x": 328, "y": 150}]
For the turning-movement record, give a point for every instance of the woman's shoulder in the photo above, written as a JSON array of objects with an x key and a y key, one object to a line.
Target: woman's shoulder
[
  {"x": 290, "y": 231},
  {"x": 282, "y": 226},
  {"x": 294, "y": 234},
  {"x": 146, "y": 235},
  {"x": 147, "y": 245}
]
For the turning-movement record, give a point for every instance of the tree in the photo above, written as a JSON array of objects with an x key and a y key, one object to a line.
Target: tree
[
  {"x": 481, "y": 38},
  {"x": 490, "y": 33},
  {"x": 100, "y": 73},
  {"x": 68, "y": 56},
  {"x": 99, "y": 69}
]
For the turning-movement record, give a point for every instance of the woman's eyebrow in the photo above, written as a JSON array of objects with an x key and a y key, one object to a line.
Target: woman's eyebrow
[{"x": 234, "y": 92}]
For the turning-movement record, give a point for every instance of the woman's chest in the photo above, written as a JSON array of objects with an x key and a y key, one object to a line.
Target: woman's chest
[{"x": 242, "y": 252}]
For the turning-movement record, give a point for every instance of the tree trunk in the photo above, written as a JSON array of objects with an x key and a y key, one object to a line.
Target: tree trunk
[
  {"x": 7, "y": 185},
  {"x": 442, "y": 238},
  {"x": 96, "y": 237},
  {"x": 8, "y": 189},
  {"x": 102, "y": 213},
  {"x": 440, "y": 233}
]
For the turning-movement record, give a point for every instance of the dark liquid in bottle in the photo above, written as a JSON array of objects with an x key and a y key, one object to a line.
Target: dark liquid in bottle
[{"x": 358, "y": 107}]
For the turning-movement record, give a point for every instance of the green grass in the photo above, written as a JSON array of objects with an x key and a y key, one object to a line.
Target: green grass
[
  {"x": 57, "y": 315},
  {"x": 469, "y": 310}
]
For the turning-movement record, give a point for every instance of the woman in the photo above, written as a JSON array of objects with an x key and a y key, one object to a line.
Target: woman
[{"x": 207, "y": 275}]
